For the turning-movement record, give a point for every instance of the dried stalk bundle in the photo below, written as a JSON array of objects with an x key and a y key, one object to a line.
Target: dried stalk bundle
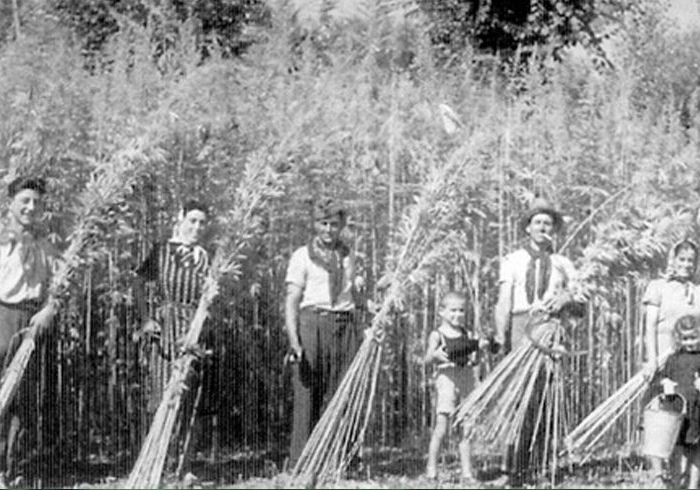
[
  {"x": 586, "y": 436},
  {"x": 497, "y": 409},
  {"x": 424, "y": 239},
  {"x": 109, "y": 185},
  {"x": 241, "y": 225}
]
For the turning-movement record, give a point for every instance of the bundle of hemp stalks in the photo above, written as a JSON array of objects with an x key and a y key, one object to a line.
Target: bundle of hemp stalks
[
  {"x": 495, "y": 412},
  {"x": 240, "y": 227},
  {"x": 425, "y": 238},
  {"x": 109, "y": 185},
  {"x": 585, "y": 437}
]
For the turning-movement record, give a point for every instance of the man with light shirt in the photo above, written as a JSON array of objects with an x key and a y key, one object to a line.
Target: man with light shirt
[
  {"x": 27, "y": 261},
  {"x": 533, "y": 279},
  {"x": 319, "y": 319}
]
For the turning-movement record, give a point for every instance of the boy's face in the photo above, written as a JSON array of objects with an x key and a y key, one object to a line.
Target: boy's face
[{"x": 453, "y": 312}]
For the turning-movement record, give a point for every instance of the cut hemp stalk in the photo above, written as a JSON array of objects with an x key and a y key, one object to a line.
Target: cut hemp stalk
[
  {"x": 495, "y": 412},
  {"x": 240, "y": 226},
  {"x": 588, "y": 433}
]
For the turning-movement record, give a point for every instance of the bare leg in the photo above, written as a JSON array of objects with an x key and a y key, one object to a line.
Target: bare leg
[
  {"x": 435, "y": 443},
  {"x": 656, "y": 466},
  {"x": 465, "y": 458},
  {"x": 678, "y": 465},
  {"x": 694, "y": 466}
]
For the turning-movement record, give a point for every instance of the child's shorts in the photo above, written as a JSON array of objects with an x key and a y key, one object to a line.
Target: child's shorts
[{"x": 451, "y": 385}]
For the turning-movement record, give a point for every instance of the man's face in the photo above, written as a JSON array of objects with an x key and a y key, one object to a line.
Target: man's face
[
  {"x": 192, "y": 226},
  {"x": 328, "y": 229},
  {"x": 26, "y": 207},
  {"x": 540, "y": 228},
  {"x": 453, "y": 312}
]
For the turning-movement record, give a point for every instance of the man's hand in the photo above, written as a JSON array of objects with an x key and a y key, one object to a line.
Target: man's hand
[
  {"x": 696, "y": 381},
  {"x": 293, "y": 356},
  {"x": 151, "y": 329},
  {"x": 557, "y": 302},
  {"x": 375, "y": 334},
  {"x": 497, "y": 343},
  {"x": 41, "y": 321}
]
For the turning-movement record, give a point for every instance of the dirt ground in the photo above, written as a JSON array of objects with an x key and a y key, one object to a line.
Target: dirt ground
[{"x": 393, "y": 469}]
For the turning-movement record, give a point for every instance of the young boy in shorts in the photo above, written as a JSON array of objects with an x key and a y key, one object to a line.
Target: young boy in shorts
[{"x": 453, "y": 350}]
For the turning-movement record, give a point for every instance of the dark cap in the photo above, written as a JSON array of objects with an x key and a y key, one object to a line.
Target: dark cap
[
  {"x": 193, "y": 204},
  {"x": 327, "y": 207},
  {"x": 20, "y": 183}
]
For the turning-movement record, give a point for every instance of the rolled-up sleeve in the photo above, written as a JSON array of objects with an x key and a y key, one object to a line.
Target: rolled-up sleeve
[
  {"x": 652, "y": 295},
  {"x": 506, "y": 272},
  {"x": 296, "y": 270}
]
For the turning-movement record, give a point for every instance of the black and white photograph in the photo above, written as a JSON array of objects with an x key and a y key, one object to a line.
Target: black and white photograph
[{"x": 350, "y": 244}]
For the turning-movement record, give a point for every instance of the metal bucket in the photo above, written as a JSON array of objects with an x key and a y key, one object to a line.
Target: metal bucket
[{"x": 661, "y": 428}]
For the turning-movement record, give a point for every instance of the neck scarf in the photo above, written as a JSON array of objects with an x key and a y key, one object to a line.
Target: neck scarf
[
  {"x": 685, "y": 281},
  {"x": 25, "y": 240},
  {"x": 330, "y": 258},
  {"x": 537, "y": 278}
]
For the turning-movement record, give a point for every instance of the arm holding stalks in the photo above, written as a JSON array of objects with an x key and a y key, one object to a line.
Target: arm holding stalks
[
  {"x": 42, "y": 319},
  {"x": 652, "y": 362},
  {"x": 435, "y": 353}
]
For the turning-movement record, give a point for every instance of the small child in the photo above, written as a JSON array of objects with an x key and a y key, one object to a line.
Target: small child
[
  {"x": 681, "y": 375},
  {"x": 454, "y": 351}
]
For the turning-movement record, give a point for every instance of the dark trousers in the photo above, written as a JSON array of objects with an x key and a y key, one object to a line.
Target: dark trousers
[
  {"x": 13, "y": 318},
  {"x": 329, "y": 341}
]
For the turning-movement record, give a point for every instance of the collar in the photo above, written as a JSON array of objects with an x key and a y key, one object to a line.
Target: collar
[{"x": 10, "y": 232}]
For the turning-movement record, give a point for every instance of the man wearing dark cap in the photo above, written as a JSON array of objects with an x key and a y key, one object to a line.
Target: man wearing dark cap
[
  {"x": 320, "y": 319},
  {"x": 532, "y": 279},
  {"x": 27, "y": 260}
]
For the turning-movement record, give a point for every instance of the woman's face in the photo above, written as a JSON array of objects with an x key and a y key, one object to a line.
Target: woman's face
[
  {"x": 192, "y": 226},
  {"x": 685, "y": 262}
]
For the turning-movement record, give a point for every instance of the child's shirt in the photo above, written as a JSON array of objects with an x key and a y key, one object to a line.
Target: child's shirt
[
  {"x": 462, "y": 349},
  {"x": 682, "y": 367}
]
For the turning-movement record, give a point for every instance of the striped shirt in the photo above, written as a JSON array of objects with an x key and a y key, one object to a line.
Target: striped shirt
[{"x": 178, "y": 270}]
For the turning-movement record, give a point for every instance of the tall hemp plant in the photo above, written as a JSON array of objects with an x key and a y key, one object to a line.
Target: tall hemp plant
[
  {"x": 428, "y": 235},
  {"x": 240, "y": 226}
]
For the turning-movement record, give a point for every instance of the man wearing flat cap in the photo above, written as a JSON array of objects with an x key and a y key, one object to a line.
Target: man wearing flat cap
[
  {"x": 27, "y": 260},
  {"x": 320, "y": 319},
  {"x": 533, "y": 279}
]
